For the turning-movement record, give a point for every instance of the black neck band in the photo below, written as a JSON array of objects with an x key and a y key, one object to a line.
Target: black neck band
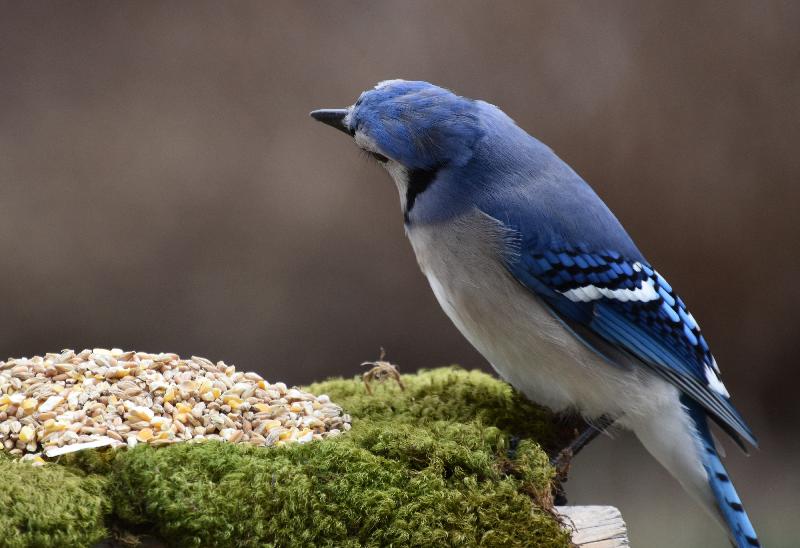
[{"x": 418, "y": 181}]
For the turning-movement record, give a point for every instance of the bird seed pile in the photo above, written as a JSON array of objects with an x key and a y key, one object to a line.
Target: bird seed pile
[{"x": 70, "y": 401}]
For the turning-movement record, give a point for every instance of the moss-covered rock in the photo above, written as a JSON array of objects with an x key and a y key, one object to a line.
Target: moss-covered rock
[{"x": 428, "y": 465}]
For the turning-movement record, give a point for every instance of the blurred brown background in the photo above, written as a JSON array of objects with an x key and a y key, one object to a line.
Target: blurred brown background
[{"x": 163, "y": 188}]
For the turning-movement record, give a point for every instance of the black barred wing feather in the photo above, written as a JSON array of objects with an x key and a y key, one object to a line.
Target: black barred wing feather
[{"x": 629, "y": 305}]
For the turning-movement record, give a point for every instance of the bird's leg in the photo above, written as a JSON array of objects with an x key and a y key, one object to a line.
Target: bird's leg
[
  {"x": 561, "y": 462},
  {"x": 582, "y": 440}
]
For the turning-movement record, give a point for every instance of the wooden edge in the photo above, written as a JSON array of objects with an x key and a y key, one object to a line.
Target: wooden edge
[{"x": 595, "y": 526}]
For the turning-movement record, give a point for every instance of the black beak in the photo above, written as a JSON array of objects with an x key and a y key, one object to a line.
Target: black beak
[{"x": 334, "y": 117}]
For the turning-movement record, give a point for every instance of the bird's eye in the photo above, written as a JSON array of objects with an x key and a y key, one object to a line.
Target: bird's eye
[{"x": 380, "y": 157}]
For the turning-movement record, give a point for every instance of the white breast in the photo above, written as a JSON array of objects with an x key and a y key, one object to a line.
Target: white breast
[{"x": 522, "y": 340}]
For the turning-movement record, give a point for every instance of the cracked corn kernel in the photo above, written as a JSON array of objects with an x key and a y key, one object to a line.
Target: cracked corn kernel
[
  {"x": 29, "y": 405},
  {"x": 27, "y": 434},
  {"x": 143, "y": 413},
  {"x": 145, "y": 434},
  {"x": 183, "y": 407},
  {"x": 160, "y": 423}
]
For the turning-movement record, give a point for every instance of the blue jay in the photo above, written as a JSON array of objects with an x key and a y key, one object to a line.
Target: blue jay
[{"x": 540, "y": 276}]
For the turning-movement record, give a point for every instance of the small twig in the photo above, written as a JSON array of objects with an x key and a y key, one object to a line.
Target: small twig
[{"x": 380, "y": 372}]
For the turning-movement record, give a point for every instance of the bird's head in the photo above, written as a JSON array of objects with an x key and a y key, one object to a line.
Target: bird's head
[
  {"x": 416, "y": 124},
  {"x": 414, "y": 129}
]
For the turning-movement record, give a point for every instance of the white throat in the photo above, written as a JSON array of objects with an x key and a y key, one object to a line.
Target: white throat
[
  {"x": 398, "y": 172},
  {"x": 400, "y": 176}
]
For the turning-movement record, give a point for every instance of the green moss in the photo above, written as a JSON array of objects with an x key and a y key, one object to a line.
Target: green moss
[
  {"x": 427, "y": 466},
  {"x": 50, "y": 506},
  {"x": 454, "y": 395}
]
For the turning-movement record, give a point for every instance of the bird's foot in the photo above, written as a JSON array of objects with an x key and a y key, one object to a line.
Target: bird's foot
[
  {"x": 563, "y": 460},
  {"x": 561, "y": 463}
]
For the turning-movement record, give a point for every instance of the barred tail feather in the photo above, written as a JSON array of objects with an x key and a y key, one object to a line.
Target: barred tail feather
[
  {"x": 728, "y": 504},
  {"x": 678, "y": 437}
]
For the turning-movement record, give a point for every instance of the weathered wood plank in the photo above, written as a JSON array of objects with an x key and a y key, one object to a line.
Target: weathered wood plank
[{"x": 595, "y": 526}]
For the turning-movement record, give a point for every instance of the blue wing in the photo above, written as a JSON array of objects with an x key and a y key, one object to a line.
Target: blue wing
[
  {"x": 567, "y": 247},
  {"x": 609, "y": 299}
]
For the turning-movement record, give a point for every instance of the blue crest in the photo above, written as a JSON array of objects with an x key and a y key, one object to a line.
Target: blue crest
[{"x": 420, "y": 125}]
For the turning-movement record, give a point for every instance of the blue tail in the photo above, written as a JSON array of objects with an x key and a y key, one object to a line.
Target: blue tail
[{"x": 729, "y": 504}]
